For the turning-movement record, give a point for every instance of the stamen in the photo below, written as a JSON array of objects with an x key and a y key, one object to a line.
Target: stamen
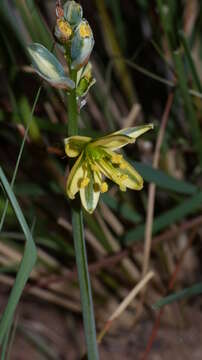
[
  {"x": 123, "y": 165},
  {"x": 116, "y": 159},
  {"x": 85, "y": 30},
  {"x": 104, "y": 187},
  {"x": 94, "y": 167},
  {"x": 84, "y": 182},
  {"x": 65, "y": 28}
]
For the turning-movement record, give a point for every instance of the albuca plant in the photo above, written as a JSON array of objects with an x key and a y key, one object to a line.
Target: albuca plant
[{"x": 97, "y": 158}]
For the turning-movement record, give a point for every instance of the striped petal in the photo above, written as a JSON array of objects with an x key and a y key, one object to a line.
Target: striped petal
[
  {"x": 75, "y": 177},
  {"x": 122, "y": 174},
  {"x": 122, "y": 137},
  {"x": 135, "y": 132},
  {"x": 48, "y": 67},
  {"x": 91, "y": 193},
  {"x": 74, "y": 145},
  {"x": 112, "y": 142}
]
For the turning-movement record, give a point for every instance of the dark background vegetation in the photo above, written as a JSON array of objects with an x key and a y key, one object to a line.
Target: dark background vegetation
[{"x": 145, "y": 52}]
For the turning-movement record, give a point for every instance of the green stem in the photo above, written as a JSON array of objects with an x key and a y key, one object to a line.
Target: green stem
[{"x": 79, "y": 244}]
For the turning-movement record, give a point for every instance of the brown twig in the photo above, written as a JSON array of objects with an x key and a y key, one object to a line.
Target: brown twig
[{"x": 152, "y": 187}]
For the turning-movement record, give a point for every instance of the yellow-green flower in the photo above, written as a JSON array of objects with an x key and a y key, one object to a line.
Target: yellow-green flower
[{"x": 98, "y": 160}]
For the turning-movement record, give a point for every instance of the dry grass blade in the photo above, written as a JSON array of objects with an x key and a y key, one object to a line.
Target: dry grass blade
[{"x": 125, "y": 303}]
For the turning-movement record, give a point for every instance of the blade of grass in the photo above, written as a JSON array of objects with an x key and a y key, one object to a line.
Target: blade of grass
[
  {"x": 188, "y": 106},
  {"x": 195, "y": 77},
  {"x": 180, "y": 295},
  {"x": 126, "y": 211},
  {"x": 114, "y": 51},
  {"x": 163, "y": 180},
  {"x": 168, "y": 218},
  {"x": 20, "y": 155},
  {"x": 168, "y": 15},
  {"x": 27, "y": 263},
  {"x": 34, "y": 22},
  {"x": 5, "y": 344}
]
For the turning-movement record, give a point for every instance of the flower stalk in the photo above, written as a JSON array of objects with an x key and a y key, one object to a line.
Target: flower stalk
[{"x": 79, "y": 242}]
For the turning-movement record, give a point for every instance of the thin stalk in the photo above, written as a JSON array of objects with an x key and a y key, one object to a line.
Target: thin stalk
[{"x": 79, "y": 244}]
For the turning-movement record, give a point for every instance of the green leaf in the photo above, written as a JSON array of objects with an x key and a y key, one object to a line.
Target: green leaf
[
  {"x": 48, "y": 67},
  {"x": 125, "y": 210},
  {"x": 26, "y": 265},
  {"x": 163, "y": 180},
  {"x": 168, "y": 218},
  {"x": 185, "y": 293}
]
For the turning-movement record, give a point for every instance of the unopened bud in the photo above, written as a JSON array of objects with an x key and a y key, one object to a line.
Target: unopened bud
[
  {"x": 48, "y": 67},
  {"x": 63, "y": 31},
  {"x": 73, "y": 12},
  {"x": 82, "y": 45}
]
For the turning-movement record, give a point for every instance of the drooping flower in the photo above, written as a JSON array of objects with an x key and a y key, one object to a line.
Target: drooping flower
[{"x": 98, "y": 160}]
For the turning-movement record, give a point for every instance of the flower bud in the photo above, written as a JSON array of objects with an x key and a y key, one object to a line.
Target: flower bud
[
  {"x": 82, "y": 45},
  {"x": 48, "y": 67},
  {"x": 85, "y": 81},
  {"x": 73, "y": 12},
  {"x": 63, "y": 31}
]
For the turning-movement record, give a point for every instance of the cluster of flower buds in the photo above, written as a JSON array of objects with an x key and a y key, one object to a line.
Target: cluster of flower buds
[{"x": 75, "y": 37}]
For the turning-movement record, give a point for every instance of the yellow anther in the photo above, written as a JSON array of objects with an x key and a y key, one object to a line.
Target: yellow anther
[
  {"x": 94, "y": 167},
  {"x": 104, "y": 187},
  {"x": 85, "y": 30},
  {"x": 116, "y": 159},
  {"x": 123, "y": 165},
  {"x": 123, "y": 177},
  {"x": 64, "y": 28},
  {"x": 84, "y": 182}
]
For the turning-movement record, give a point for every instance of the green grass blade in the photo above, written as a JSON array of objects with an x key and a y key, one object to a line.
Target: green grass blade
[
  {"x": 20, "y": 155},
  {"x": 195, "y": 77},
  {"x": 163, "y": 180},
  {"x": 188, "y": 106},
  {"x": 170, "y": 217},
  {"x": 125, "y": 210},
  {"x": 27, "y": 263},
  {"x": 180, "y": 295},
  {"x": 5, "y": 344}
]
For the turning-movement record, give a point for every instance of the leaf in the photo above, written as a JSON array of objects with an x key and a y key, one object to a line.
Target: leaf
[
  {"x": 163, "y": 180},
  {"x": 126, "y": 211},
  {"x": 48, "y": 67},
  {"x": 26, "y": 266},
  {"x": 185, "y": 293},
  {"x": 168, "y": 218}
]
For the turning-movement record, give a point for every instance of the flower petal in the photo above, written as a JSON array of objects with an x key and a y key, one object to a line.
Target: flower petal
[
  {"x": 73, "y": 12},
  {"x": 48, "y": 67},
  {"x": 74, "y": 145},
  {"x": 136, "y": 131},
  {"x": 75, "y": 177},
  {"x": 122, "y": 174},
  {"x": 112, "y": 142},
  {"x": 122, "y": 137},
  {"x": 91, "y": 193}
]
